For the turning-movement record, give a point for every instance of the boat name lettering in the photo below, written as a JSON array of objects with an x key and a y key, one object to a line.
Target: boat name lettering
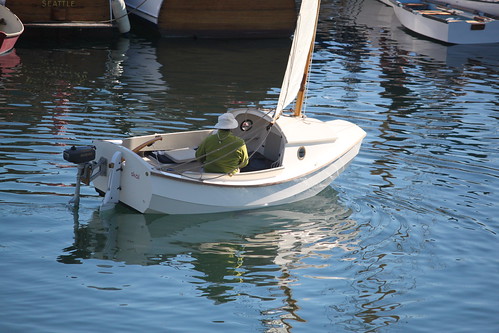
[
  {"x": 134, "y": 175},
  {"x": 58, "y": 3}
]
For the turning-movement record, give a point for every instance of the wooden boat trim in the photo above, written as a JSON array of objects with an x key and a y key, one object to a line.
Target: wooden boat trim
[
  {"x": 147, "y": 143},
  {"x": 63, "y": 25}
]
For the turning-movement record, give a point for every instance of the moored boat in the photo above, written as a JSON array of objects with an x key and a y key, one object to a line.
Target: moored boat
[
  {"x": 218, "y": 18},
  {"x": 11, "y": 28},
  {"x": 445, "y": 23},
  {"x": 483, "y": 6},
  {"x": 98, "y": 18},
  {"x": 292, "y": 157}
]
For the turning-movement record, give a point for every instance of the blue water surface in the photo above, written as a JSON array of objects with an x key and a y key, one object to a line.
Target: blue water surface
[{"x": 405, "y": 240}]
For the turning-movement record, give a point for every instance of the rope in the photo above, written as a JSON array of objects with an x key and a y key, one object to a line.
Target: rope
[{"x": 127, "y": 14}]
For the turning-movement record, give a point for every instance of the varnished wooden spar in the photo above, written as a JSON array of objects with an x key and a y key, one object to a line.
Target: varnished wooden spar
[
  {"x": 227, "y": 18},
  {"x": 66, "y": 16},
  {"x": 300, "y": 97}
]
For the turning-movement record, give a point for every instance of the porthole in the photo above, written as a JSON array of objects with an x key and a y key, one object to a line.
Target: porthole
[
  {"x": 246, "y": 125},
  {"x": 301, "y": 153}
]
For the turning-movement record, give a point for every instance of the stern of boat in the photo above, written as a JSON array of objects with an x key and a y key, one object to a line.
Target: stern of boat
[{"x": 134, "y": 183}]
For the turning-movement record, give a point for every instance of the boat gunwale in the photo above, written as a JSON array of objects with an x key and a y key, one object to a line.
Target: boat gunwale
[
  {"x": 6, "y": 11},
  {"x": 224, "y": 183},
  {"x": 451, "y": 19},
  {"x": 448, "y": 8}
]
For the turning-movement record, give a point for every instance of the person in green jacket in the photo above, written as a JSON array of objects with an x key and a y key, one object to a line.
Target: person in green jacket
[{"x": 223, "y": 152}]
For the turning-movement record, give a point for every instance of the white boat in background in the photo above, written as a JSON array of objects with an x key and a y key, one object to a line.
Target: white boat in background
[
  {"x": 292, "y": 157},
  {"x": 385, "y": 29},
  {"x": 445, "y": 23},
  {"x": 147, "y": 10},
  {"x": 490, "y": 7},
  {"x": 10, "y": 29}
]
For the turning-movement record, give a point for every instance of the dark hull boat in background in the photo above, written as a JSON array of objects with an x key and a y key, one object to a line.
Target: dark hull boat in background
[
  {"x": 62, "y": 18},
  {"x": 218, "y": 18}
]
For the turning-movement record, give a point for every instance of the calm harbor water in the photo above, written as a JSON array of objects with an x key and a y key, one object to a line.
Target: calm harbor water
[{"x": 404, "y": 241}]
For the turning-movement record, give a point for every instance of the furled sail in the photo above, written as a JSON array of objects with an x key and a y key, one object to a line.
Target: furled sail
[{"x": 300, "y": 55}]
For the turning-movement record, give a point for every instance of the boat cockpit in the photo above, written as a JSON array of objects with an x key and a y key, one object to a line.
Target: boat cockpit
[{"x": 175, "y": 152}]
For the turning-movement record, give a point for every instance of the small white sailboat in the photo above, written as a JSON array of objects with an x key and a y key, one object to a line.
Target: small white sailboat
[
  {"x": 446, "y": 23},
  {"x": 292, "y": 157}
]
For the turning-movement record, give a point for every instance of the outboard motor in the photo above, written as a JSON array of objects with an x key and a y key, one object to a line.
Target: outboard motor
[
  {"x": 80, "y": 154},
  {"x": 83, "y": 157}
]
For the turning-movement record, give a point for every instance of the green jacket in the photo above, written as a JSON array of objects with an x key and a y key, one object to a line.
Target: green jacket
[{"x": 222, "y": 152}]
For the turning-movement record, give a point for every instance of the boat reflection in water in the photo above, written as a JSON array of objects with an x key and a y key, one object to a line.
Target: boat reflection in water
[
  {"x": 258, "y": 246},
  {"x": 8, "y": 63},
  {"x": 174, "y": 81},
  {"x": 246, "y": 70}
]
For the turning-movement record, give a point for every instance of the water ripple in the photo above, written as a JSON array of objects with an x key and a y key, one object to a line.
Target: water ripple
[{"x": 401, "y": 241}]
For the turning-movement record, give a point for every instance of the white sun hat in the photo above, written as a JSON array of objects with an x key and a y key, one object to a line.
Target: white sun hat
[{"x": 226, "y": 121}]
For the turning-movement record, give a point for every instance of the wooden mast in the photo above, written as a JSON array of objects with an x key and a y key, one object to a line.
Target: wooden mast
[{"x": 303, "y": 87}]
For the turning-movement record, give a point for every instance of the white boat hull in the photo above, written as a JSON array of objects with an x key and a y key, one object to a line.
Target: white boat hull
[
  {"x": 451, "y": 31},
  {"x": 148, "y": 10},
  {"x": 152, "y": 189},
  {"x": 387, "y": 2},
  {"x": 212, "y": 199}
]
